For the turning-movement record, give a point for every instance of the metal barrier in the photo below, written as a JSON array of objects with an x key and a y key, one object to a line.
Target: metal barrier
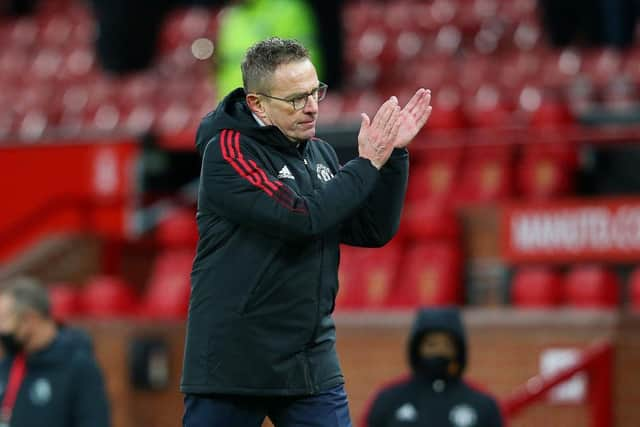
[{"x": 596, "y": 362}]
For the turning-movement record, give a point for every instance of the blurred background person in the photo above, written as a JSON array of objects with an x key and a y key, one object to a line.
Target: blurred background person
[
  {"x": 248, "y": 21},
  {"x": 435, "y": 395},
  {"x": 17, "y": 7},
  {"x": 591, "y": 22},
  {"x": 49, "y": 372}
]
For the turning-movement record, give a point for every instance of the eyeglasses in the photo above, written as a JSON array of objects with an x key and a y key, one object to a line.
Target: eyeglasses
[{"x": 300, "y": 101}]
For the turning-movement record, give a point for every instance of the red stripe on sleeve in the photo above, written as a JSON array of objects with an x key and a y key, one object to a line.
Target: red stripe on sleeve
[
  {"x": 232, "y": 161},
  {"x": 256, "y": 170},
  {"x": 249, "y": 170}
]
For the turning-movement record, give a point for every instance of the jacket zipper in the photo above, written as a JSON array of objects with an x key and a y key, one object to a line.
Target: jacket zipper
[{"x": 307, "y": 373}]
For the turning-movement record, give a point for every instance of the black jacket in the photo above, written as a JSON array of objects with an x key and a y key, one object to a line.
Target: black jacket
[
  {"x": 63, "y": 386},
  {"x": 451, "y": 402},
  {"x": 271, "y": 216}
]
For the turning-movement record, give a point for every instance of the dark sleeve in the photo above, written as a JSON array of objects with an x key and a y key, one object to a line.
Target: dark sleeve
[
  {"x": 377, "y": 415},
  {"x": 494, "y": 415},
  {"x": 90, "y": 406},
  {"x": 237, "y": 186},
  {"x": 377, "y": 221}
]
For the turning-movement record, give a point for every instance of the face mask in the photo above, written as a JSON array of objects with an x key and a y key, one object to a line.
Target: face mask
[
  {"x": 10, "y": 343},
  {"x": 434, "y": 367}
]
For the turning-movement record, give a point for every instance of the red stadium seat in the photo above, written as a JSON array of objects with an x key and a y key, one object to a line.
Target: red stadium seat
[
  {"x": 602, "y": 64},
  {"x": 398, "y": 16},
  {"x": 544, "y": 175},
  {"x": 591, "y": 286},
  {"x": 23, "y": 33},
  {"x": 366, "y": 276},
  {"x": 178, "y": 229},
  {"x": 430, "y": 275},
  {"x": 488, "y": 108},
  {"x": 55, "y": 31},
  {"x": 552, "y": 114},
  {"x": 140, "y": 119},
  {"x": 168, "y": 290},
  {"x": 527, "y": 35},
  {"x": 13, "y": 62},
  {"x": 634, "y": 289},
  {"x": 518, "y": 10},
  {"x": 536, "y": 287},
  {"x": 46, "y": 65},
  {"x": 429, "y": 220},
  {"x": 33, "y": 124},
  {"x": 561, "y": 67},
  {"x": 107, "y": 296},
  {"x": 105, "y": 117},
  {"x": 447, "y": 109},
  {"x": 65, "y": 302},
  {"x": 356, "y": 103},
  {"x": 433, "y": 180},
  {"x": 486, "y": 174},
  {"x": 174, "y": 118},
  {"x": 519, "y": 67},
  {"x": 78, "y": 65},
  {"x": 434, "y": 72},
  {"x": 545, "y": 109},
  {"x": 448, "y": 39}
]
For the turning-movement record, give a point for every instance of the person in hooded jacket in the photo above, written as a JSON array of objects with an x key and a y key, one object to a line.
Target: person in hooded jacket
[
  {"x": 435, "y": 395},
  {"x": 48, "y": 375},
  {"x": 273, "y": 207}
]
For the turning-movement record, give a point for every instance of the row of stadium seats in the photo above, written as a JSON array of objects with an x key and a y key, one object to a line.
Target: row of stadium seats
[
  {"x": 166, "y": 294},
  {"x": 50, "y": 77},
  {"x": 394, "y": 277},
  {"x": 136, "y": 104},
  {"x": 429, "y": 16},
  {"x": 583, "y": 286},
  {"x": 491, "y": 172},
  {"x": 512, "y": 70},
  {"x": 429, "y": 273}
]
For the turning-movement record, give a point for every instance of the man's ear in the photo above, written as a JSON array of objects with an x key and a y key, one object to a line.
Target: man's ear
[{"x": 255, "y": 105}]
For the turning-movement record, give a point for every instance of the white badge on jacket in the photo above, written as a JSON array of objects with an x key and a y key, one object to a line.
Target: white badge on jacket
[{"x": 324, "y": 173}]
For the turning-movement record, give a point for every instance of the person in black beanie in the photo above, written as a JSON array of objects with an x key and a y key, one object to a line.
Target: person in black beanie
[{"x": 435, "y": 395}]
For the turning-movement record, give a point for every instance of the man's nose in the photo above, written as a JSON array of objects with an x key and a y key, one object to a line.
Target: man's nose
[{"x": 311, "y": 107}]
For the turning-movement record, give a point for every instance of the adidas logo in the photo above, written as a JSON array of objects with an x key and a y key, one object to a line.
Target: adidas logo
[{"x": 285, "y": 173}]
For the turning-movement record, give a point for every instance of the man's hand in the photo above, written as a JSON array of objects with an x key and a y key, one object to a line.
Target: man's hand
[
  {"x": 376, "y": 138},
  {"x": 413, "y": 117}
]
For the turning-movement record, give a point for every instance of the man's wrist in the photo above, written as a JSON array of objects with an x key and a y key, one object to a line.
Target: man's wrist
[{"x": 371, "y": 162}]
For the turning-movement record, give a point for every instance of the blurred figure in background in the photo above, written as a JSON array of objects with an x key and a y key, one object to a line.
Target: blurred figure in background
[
  {"x": 17, "y": 7},
  {"x": 248, "y": 21},
  {"x": 128, "y": 32},
  {"x": 435, "y": 395},
  {"x": 49, "y": 375},
  {"x": 592, "y": 22}
]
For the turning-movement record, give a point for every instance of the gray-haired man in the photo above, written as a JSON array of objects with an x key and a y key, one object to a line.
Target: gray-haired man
[{"x": 273, "y": 207}]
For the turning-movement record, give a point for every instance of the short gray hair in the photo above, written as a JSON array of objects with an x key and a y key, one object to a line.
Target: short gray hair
[
  {"x": 262, "y": 59},
  {"x": 28, "y": 294}
]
